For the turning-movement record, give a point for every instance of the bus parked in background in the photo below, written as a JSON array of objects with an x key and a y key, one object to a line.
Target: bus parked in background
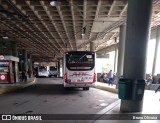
[
  {"x": 53, "y": 71},
  {"x": 79, "y": 69},
  {"x": 41, "y": 71}
]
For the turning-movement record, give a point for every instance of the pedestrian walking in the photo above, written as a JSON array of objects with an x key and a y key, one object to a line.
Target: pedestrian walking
[{"x": 110, "y": 75}]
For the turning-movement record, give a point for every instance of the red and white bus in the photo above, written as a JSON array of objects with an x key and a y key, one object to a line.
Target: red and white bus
[{"x": 79, "y": 69}]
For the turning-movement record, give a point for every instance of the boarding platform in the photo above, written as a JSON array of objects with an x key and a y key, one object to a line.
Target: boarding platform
[{"x": 5, "y": 87}]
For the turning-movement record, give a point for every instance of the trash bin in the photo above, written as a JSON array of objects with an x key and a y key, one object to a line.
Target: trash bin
[
  {"x": 138, "y": 89},
  {"x": 125, "y": 89}
]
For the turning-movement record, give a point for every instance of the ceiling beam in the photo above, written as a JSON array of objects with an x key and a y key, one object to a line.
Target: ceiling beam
[
  {"x": 20, "y": 33},
  {"x": 35, "y": 12},
  {"x": 111, "y": 8},
  {"x": 84, "y": 16},
  {"x": 29, "y": 28},
  {"x": 49, "y": 16},
  {"x": 64, "y": 26},
  {"x": 124, "y": 9},
  {"x": 73, "y": 20},
  {"x": 96, "y": 15}
]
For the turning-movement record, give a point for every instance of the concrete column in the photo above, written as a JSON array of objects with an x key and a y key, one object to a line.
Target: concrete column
[
  {"x": 25, "y": 62},
  {"x": 20, "y": 65},
  {"x": 92, "y": 46},
  {"x": 137, "y": 36},
  {"x": 14, "y": 49},
  {"x": 63, "y": 67},
  {"x": 58, "y": 66},
  {"x": 156, "y": 51},
  {"x": 30, "y": 65},
  {"x": 121, "y": 46},
  {"x": 115, "y": 56}
]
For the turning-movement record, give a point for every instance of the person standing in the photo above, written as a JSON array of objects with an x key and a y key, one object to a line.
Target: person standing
[
  {"x": 110, "y": 75},
  {"x": 25, "y": 79},
  {"x": 23, "y": 76}
]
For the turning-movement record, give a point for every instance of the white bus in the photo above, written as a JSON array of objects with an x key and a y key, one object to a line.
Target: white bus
[
  {"x": 79, "y": 69},
  {"x": 41, "y": 71}
]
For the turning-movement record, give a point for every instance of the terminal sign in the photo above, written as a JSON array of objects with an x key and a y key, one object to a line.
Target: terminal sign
[
  {"x": 2, "y": 77},
  {"x": 1, "y": 57}
]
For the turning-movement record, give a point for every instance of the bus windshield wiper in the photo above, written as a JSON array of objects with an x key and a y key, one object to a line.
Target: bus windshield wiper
[{"x": 81, "y": 58}]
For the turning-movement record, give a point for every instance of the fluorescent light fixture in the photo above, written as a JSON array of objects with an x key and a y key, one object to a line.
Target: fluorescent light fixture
[
  {"x": 55, "y": 3},
  {"x": 83, "y": 31},
  {"x": 5, "y": 37}
]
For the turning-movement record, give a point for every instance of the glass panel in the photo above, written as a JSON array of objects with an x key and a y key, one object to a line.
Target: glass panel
[{"x": 80, "y": 60}]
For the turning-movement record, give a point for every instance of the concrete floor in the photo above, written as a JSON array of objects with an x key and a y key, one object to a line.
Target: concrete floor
[{"x": 47, "y": 96}]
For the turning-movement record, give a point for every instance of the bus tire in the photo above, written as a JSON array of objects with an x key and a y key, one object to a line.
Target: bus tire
[
  {"x": 66, "y": 88},
  {"x": 87, "y": 88}
]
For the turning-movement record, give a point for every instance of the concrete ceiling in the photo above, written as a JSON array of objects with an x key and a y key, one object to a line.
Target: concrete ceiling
[{"x": 48, "y": 31}]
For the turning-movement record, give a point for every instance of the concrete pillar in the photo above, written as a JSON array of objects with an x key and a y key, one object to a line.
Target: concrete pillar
[
  {"x": 137, "y": 36},
  {"x": 20, "y": 60},
  {"x": 156, "y": 51},
  {"x": 121, "y": 46},
  {"x": 92, "y": 46},
  {"x": 20, "y": 65},
  {"x": 115, "y": 56},
  {"x": 30, "y": 65},
  {"x": 25, "y": 62},
  {"x": 58, "y": 66},
  {"x": 63, "y": 67},
  {"x": 14, "y": 49}
]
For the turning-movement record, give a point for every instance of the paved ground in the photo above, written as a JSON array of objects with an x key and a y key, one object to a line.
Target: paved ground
[{"x": 47, "y": 96}]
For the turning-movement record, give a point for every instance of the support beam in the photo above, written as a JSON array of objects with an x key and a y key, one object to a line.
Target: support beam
[
  {"x": 96, "y": 15},
  {"x": 156, "y": 51},
  {"x": 24, "y": 58},
  {"x": 92, "y": 46},
  {"x": 84, "y": 15},
  {"x": 115, "y": 57},
  {"x": 111, "y": 8},
  {"x": 14, "y": 49},
  {"x": 137, "y": 36},
  {"x": 30, "y": 65},
  {"x": 36, "y": 13},
  {"x": 73, "y": 20},
  {"x": 121, "y": 47},
  {"x": 124, "y": 9}
]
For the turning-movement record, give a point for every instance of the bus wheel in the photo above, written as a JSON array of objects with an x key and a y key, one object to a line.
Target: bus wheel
[
  {"x": 66, "y": 88},
  {"x": 85, "y": 88}
]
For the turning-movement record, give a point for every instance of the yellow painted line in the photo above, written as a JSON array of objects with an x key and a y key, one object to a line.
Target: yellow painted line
[
  {"x": 9, "y": 89},
  {"x": 113, "y": 90}
]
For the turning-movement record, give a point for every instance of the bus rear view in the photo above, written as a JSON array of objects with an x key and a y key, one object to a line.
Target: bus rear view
[{"x": 79, "y": 69}]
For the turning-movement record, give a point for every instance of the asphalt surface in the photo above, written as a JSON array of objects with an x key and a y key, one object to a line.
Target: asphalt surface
[{"x": 47, "y": 96}]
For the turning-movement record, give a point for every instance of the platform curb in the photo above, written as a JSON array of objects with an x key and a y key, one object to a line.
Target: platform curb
[
  {"x": 107, "y": 89},
  {"x": 6, "y": 90}
]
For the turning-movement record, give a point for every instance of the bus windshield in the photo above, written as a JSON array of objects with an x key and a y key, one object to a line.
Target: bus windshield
[
  {"x": 53, "y": 68},
  {"x": 42, "y": 68},
  {"x": 80, "y": 60}
]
